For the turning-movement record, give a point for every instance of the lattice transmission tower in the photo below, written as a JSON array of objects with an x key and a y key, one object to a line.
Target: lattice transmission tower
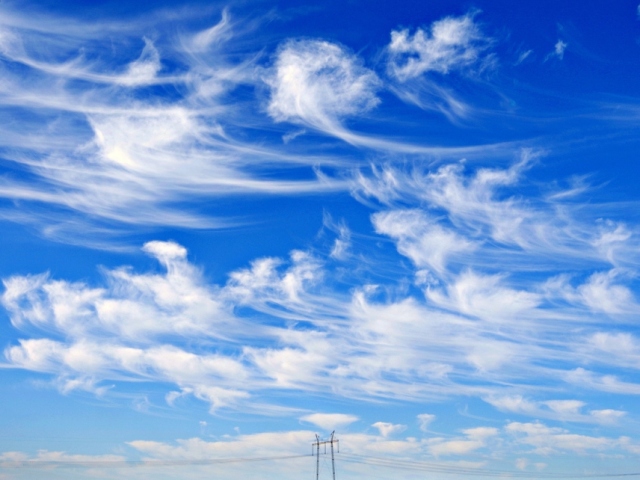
[{"x": 316, "y": 447}]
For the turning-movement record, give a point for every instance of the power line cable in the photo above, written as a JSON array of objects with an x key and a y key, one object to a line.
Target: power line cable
[
  {"x": 138, "y": 463},
  {"x": 451, "y": 469}
]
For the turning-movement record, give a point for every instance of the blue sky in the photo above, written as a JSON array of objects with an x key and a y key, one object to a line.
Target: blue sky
[{"x": 229, "y": 227}]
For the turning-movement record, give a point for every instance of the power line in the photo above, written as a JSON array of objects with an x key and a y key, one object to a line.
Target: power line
[
  {"x": 376, "y": 461},
  {"x": 137, "y": 463},
  {"x": 451, "y": 469}
]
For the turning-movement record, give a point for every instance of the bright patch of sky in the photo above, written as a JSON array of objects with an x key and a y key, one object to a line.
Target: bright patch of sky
[{"x": 229, "y": 228}]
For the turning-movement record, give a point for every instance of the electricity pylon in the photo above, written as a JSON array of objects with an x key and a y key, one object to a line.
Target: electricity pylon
[{"x": 317, "y": 444}]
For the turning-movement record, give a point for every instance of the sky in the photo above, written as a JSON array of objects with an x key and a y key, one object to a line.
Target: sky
[{"x": 230, "y": 227}]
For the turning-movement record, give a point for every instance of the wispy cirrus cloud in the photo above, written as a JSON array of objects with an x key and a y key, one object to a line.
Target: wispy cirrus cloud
[
  {"x": 452, "y": 45},
  {"x": 469, "y": 242},
  {"x": 337, "y": 341},
  {"x": 317, "y": 83},
  {"x": 547, "y": 440},
  {"x": 330, "y": 421},
  {"x": 321, "y": 85},
  {"x": 471, "y": 206},
  {"x": 562, "y": 410},
  {"x": 140, "y": 134},
  {"x": 423, "y": 240},
  {"x": 558, "y": 50},
  {"x": 94, "y": 140}
]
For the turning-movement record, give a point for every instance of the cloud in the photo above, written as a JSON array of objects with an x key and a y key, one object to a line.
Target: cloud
[
  {"x": 421, "y": 238},
  {"x": 136, "y": 306},
  {"x": 482, "y": 207},
  {"x": 330, "y": 421},
  {"x": 51, "y": 460},
  {"x": 133, "y": 328},
  {"x": 425, "y": 419},
  {"x": 600, "y": 294},
  {"x": 522, "y": 463},
  {"x": 523, "y": 56},
  {"x": 97, "y": 145},
  {"x": 81, "y": 365},
  {"x": 288, "y": 324},
  {"x": 561, "y": 410},
  {"x": 220, "y": 32},
  {"x": 565, "y": 407},
  {"x": 548, "y": 440},
  {"x": 283, "y": 452},
  {"x": 342, "y": 243},
  {"x": 475, "y": 200},
  {"x": 622, "y": 348},
  {"x": 317, "y": 83},
  {"x": 453, "y": 43},
  {"x": 560, "y": 47},
  {"x": 608, "y": 416},
  {"x": 387, "y": 429},
  {"x": 558, "y": 50},
  {"x": 604, "y": 383},
  {"x": 485, "y": 297},
  {"x": 475, "y": 438}
]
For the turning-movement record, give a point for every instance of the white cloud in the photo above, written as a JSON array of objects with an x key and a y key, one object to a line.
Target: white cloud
[
  {"x": 111, "y": 153},
  {"x": 422, "y": 239},
  {"x": 472, "y": 202},
  {"x": 565, "y": 407},
  {"x": 51, "y": 460},
  {"x": 425, "y": 419},
  {"x": 280, "y": 324},
  {"x": 79, "y": 366},
  {"x": 611, "y": 236},
  {"x": 475, "y": 438},
  {"x": 485, "y": 297},
  {"x": 605, "y": 383},
  {"x": 136, "y": 306},
  {"x": 386, "y": 429},
  {"x": 561, "y": 410},
  {"x": 221, "y": 31},
  {"x": 601, "y": 294},
  {"x": 548, "y": 440},
  {"x": 514, "y": 403},
  {"x": 145, "y": 69},
  {"x": 317, "y": 83},
  {"x": 455, "y": 447},
  {"x": 523, "y": 56},
  {"x": 622, "y": 348},
  {"x": 452, "y": 43},
  {"x": 342, "y": 243},
  {"x": 330, "y": 421},
  {"x": 284, "y": 454},
  {"x": 481, "y": 432},
  {"x": 483, "y": 207},
  {"x": 607, "y": 416},
  {"x": 558, "y": 50}
]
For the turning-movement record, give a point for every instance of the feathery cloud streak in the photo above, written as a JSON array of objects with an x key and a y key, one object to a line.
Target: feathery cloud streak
[
  {"x": 491, "y": 326},
  {"x": 137, "y": 140}
]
